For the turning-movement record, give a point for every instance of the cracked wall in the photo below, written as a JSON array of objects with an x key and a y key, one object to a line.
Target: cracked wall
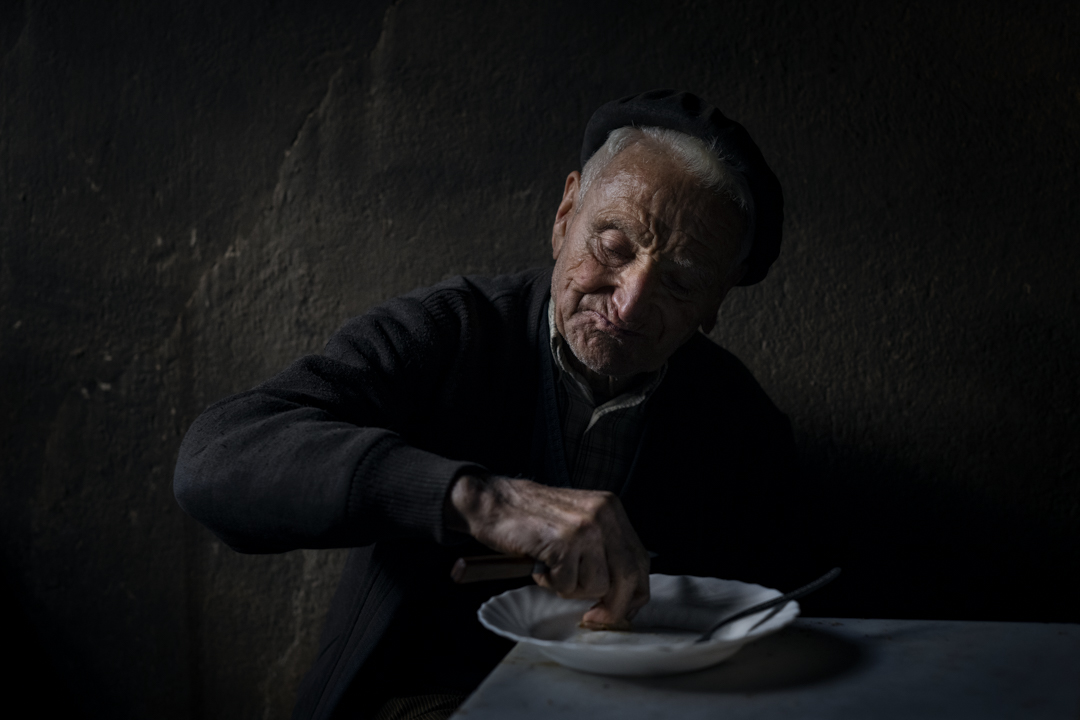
[{"x": 191, "y": 196}]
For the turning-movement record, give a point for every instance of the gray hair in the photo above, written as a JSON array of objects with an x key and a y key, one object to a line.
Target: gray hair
[{"x": 701, "y": 160}]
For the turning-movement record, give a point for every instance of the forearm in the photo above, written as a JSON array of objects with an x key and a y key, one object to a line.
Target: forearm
[
  {"x": 268, "y": 475},
  {"x": 332, "y": 451}
]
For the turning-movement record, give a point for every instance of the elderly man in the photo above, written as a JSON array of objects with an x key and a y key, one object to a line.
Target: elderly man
[{"x": 574, "y": 415}]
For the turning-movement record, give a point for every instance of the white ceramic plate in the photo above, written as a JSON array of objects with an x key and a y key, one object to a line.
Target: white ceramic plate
[{"x": 681, "y": 607}]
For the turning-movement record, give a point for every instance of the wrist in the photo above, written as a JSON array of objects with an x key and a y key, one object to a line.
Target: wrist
[{"x": 465, "y": 502}]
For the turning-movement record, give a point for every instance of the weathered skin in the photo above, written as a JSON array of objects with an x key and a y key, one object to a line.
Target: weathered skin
[{"x": 641, "y": 262}]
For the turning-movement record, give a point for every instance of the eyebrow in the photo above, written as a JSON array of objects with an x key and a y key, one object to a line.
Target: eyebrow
[
  {"x": 609, "y": 224},
  {"x": 696, "y": 269}
]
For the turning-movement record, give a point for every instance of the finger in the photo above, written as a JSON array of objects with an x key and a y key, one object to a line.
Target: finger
[
  {"x": 594, "y": 576},
  {"x": 629, "y": 590},
  {"x": 637, "y": 558},
  {"x": 539, "y": 574},
  {"x": 562, "y": 575},
  {"x": 614, "y": 607},
  {"x": 599, "y": 617},
  {"x": 640, "y": 598}
]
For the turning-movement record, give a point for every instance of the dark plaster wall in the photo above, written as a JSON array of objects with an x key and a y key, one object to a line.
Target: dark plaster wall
[{"x": 192, "y": 194}]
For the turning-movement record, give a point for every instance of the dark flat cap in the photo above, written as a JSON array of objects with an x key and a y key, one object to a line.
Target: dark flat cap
[{"x": 690, "y": 114}]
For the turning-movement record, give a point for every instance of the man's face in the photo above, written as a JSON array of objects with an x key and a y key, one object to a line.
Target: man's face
[{"x": 641, "y": 262}]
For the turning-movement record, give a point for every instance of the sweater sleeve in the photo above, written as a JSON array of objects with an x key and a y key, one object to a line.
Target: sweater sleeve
[{"x": 317, "y": 456}]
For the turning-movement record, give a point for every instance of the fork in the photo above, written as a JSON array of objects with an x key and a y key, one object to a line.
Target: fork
[{"x": 781, "y": 600}]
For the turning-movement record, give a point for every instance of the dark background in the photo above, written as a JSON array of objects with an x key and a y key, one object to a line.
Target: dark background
[{"x": 194, "y": 193}]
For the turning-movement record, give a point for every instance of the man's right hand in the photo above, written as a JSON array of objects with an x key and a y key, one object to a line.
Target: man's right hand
[{"x": 583, "y": 536}]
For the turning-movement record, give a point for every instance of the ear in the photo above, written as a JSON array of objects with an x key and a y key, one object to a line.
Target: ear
[
  {"x": 565, "y": 213},
  {"x": 709, "y": 321}
]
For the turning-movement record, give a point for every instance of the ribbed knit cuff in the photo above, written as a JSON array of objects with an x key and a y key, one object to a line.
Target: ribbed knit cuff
[{"x": 406, "y": 488}]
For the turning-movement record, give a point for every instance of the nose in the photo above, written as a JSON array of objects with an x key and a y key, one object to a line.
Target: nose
[{"x": 633, "y": 291}]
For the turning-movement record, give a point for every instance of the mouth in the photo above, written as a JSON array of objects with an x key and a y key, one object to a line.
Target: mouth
[{"x": 620, "y": 331}]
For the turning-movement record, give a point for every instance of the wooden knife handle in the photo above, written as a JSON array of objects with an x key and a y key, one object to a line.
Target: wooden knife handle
[{"x": 494, "y": 567}]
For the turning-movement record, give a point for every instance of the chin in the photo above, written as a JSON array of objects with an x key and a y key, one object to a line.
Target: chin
[{"x": 607, "y": 356}]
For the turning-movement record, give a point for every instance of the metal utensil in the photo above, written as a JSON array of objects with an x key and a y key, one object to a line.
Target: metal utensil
[
  {"x": 775, "y": 602},
  {"x": 492, "y": 567}
]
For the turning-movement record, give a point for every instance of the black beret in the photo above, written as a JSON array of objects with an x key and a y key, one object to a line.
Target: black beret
[{"x": 690, "y": 114}]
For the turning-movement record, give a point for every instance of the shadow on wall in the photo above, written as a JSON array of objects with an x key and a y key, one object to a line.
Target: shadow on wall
[{"x": 914, "y": 547}]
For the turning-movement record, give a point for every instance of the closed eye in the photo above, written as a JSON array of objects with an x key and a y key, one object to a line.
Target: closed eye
[
  {"x": 613, "y": 249},
  {"x": 677, "y": 287}
]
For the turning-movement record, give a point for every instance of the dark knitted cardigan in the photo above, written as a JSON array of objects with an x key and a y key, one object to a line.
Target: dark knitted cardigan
[{"x": 357, "y": 448}]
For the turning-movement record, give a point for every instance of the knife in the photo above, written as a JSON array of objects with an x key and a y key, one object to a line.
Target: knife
[{"x": 494, "y": 567}]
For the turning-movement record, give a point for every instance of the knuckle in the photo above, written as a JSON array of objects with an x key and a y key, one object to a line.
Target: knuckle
[
  {"x": 559, "y": 582},
  {"x": 566, "y": 534},
  {"x": 604, "y": 500},
  {"x": 552, "y": 556},
  {"x": 577, "y": 527}
]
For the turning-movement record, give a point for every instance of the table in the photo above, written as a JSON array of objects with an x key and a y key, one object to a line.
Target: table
[{"x": 819, "y": 668}]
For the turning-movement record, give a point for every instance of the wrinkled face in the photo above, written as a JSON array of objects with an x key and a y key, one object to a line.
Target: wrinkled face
[{"x": 641, "y": 262}]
